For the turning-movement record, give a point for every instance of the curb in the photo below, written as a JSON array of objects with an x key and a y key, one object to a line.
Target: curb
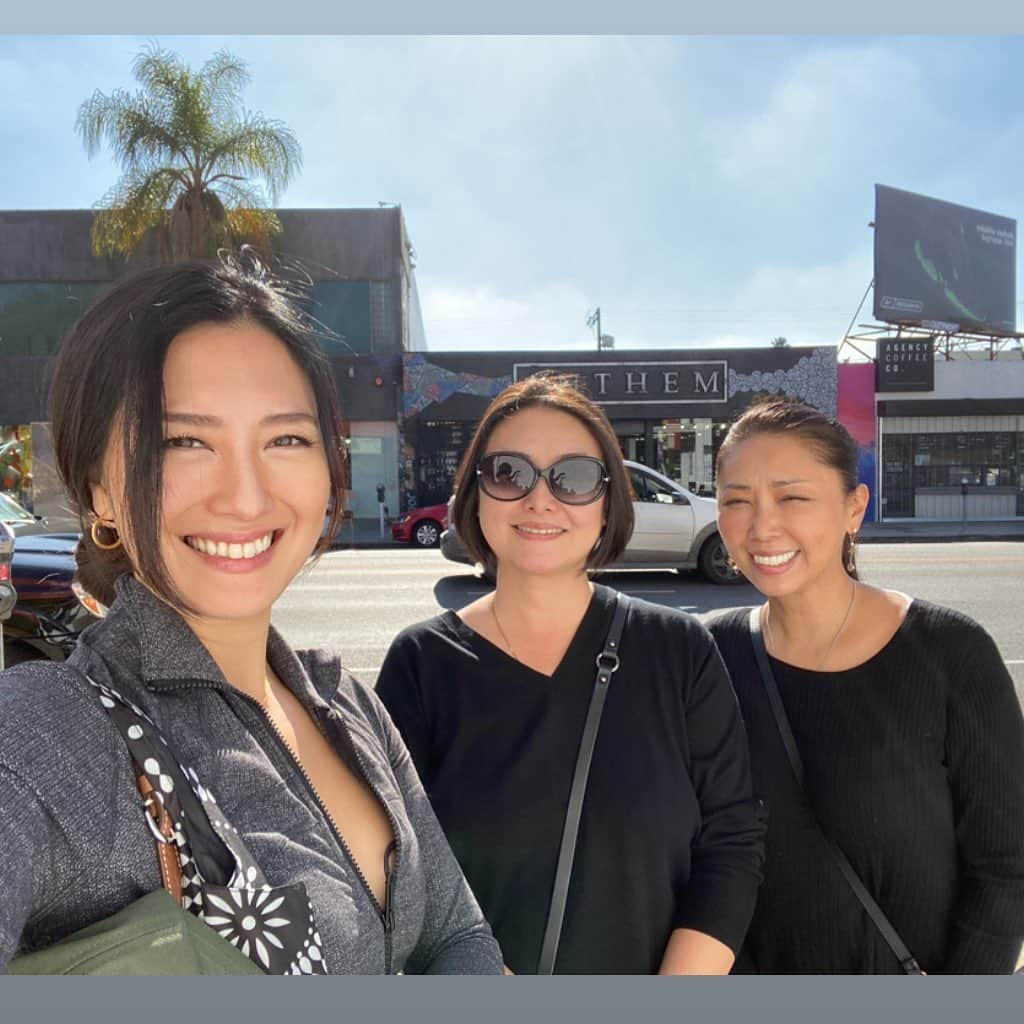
[
  {"x": 938, "y": 538},
  {"x": 367, "y": 545}
]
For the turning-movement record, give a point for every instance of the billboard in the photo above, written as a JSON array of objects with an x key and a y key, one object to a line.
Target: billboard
[{"x": 943, "y": 264}]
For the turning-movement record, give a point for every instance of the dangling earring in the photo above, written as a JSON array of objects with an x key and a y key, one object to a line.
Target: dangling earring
[
  {"x": 851, "y": 553},
  {"x": 732, "y": 564},
  {"x": 104, "y": 524}
]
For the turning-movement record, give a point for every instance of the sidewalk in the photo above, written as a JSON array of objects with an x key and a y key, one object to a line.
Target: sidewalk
[
  {"x": 909, "y": 531},
  {"x": 365, "y": 533}
]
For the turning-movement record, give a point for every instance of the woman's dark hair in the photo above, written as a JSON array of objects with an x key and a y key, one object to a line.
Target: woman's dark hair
[
  {"x": 546, "y": 391},
  {"x": 109, "y": 375},
  {"x": 830, "y": 440}
]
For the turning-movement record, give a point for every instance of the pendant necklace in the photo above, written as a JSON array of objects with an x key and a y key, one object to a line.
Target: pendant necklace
[
  {"x": 504, "y": 637},
  {"x": 835, "y": 639}
]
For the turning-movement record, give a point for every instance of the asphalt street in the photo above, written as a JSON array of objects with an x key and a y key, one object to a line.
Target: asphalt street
[{"x": 356, "y": 601}]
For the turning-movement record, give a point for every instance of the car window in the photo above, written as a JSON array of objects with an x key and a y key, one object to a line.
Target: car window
[
  {"x": 649, "y": 489},
  {"x": 12, "y": 512}
]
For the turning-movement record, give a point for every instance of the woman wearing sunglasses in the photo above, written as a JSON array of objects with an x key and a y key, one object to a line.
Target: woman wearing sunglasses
[{"x": 492, "y": 702}]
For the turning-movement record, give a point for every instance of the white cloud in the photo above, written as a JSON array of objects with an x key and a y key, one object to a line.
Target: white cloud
[
  {"x": 834, "y": 110},
  {"x": 808, "y": 303},
  {"x": 479, "y": 317}
]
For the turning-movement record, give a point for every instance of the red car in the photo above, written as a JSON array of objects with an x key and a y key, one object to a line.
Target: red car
[{"x": 422, "y": 526}]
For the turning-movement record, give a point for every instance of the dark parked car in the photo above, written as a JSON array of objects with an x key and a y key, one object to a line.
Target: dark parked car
[
  {"x": 48, "y": 616},
  {"x": 24, "y": 522},
  {"x": 422, "y": 526}
]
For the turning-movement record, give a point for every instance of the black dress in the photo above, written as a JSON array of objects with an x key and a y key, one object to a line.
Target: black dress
[
  {"x": 669, "y": 835},
  {"x": 914, "y": 763}
]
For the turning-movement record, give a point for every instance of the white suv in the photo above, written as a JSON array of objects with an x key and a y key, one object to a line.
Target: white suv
[{"x": 673, "y": 529}]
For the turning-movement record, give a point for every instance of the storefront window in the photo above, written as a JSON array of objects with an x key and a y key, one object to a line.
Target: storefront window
[
  {"x": 917, "y": 463},
  {"x": 984, "y": 459},
  {"x": 35, "y": 316},
  {"x": 439, "y": 448},
  {"x": 343, "y": 308},
  {"x": 686, "y": 450}
]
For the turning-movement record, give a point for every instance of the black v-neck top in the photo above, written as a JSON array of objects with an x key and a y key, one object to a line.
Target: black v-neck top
[
  {"x": 914, "y": 764},
  {"x": 669, "y": 835}
]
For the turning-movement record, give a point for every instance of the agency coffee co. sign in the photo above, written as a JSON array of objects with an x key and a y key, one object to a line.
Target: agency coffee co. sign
[
  {"x": 905, "y": 364},
  {"x": 676, "y": 382}
]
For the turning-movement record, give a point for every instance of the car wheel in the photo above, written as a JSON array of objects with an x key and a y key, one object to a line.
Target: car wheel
[
  {"x": 714, "y": 563},
  {"x": 427, "y": 534}
]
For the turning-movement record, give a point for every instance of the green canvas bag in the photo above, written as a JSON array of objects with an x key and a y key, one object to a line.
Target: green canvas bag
[
  {"x": 153, "y": 935},
  {"x": 162, "y": 933}
]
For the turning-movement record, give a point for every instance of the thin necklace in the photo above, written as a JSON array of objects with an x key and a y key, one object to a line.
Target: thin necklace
[
  {"x": 508, "y": 643},
  {"x": 831, "y": 646}
]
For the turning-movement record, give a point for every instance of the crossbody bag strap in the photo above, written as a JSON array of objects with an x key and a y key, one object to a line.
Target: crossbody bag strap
[
  {"x": 162, "y": 827},
  {"x": 607, "y": 665},
  {"x": 867, "y": 901}
]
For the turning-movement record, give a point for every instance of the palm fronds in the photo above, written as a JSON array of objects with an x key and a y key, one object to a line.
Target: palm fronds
[{"x": 196, "y": 165}]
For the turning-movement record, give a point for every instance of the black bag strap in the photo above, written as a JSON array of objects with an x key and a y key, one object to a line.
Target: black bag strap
[
  {"x": 875, "y": 912},
  {"x": 607, "y": 665}
]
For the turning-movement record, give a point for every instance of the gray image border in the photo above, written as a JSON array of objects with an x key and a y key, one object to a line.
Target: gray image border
[{"x": 598, "y": 1000}]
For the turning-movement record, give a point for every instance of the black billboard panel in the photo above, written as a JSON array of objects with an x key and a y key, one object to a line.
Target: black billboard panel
[
  {"x": 936, "y": 261},
  {"x": 905, "y": 364}
]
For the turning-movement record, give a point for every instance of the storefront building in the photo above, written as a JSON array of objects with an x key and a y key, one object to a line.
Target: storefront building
[
  {"x": 670, "y": 408},
  {"x": 951, "y": 436},
  {"x": 353, "y": 268}
]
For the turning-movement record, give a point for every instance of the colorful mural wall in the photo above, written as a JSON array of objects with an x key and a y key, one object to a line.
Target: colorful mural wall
[{"x": 857, "y": 413}]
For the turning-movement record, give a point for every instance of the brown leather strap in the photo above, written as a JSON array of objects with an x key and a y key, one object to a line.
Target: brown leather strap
[{"x": 163, "y": 832}]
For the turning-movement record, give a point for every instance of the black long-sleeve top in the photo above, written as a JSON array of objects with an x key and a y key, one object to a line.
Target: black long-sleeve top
[
  {"x": 914, "y": 764},
  {"x": 669, "y": 835}
]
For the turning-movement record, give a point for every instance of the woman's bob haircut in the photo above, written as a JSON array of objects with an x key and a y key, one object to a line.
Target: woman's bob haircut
[
  {"x": 109, "y": 377},
  {"x": 562, "y": 393}
]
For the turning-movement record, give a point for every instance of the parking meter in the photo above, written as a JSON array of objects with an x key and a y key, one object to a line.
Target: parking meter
[
  {"x": 382, "y": 508},
  {"x": 8, "y": 595}
]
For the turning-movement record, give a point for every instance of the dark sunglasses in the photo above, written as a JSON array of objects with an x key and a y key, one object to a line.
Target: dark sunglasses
[{"x": 574, "y": 480}]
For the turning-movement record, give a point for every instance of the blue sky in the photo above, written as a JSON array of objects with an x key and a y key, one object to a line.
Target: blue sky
[{"x": 702, "y": 190}]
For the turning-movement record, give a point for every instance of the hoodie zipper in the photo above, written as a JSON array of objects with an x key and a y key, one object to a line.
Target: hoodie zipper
[
  {"x": 385, "y": 912},
  {"x": 390, "y": 857}
]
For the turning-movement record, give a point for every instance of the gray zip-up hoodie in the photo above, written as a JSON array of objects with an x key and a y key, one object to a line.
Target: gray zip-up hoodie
[{"x": 75, "y": 848}]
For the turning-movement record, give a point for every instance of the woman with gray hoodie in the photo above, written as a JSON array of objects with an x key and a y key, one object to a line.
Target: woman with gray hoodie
[{"x": 196, "y": 430}]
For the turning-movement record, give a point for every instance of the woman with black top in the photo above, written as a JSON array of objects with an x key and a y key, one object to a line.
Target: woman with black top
[
  {"x": 491, "y": 702},
  {"x": 904, "y": 716}
]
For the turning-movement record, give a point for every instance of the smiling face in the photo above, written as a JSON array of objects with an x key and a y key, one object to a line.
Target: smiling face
[
  {"x": 538, "y": 534},
  {"x": 245, "y": 477},
  {"x": 784, "y": 514}
]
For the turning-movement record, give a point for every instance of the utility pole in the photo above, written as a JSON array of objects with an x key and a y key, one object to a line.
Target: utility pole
[{"x": 594, "y": 320}]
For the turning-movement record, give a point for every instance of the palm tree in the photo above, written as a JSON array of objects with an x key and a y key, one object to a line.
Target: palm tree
[{"x": 187, "y": 150}]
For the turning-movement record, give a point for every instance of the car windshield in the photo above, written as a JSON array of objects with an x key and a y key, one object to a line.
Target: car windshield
[{"x": 12, "y": 512}]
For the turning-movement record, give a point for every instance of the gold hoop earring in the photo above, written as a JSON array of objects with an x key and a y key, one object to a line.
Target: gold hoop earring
[{"x": 104, "y": 524}]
